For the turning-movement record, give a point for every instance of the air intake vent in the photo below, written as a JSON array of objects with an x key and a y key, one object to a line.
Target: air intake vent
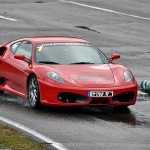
[
  {"x": 2, "y": 51},
  {"x": 67, "y": 97},
  {"x": 2, "y": 80}
]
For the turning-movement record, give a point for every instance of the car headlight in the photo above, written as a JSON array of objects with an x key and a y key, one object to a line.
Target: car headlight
[
  {"x": 54, "y": 76},
  {"x": 127, "y": 76}
]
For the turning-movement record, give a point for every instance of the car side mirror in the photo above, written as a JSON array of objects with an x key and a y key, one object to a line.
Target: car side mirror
[
  {"x": 20, "y": 57},
  {"x": 114, "y": 57}
]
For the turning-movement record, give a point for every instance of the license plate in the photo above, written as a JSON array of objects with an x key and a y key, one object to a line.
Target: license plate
[{"x": 100, "y": 93}]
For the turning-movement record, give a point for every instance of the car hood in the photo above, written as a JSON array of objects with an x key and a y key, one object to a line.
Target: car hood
[{"x": 90, "y": 75}]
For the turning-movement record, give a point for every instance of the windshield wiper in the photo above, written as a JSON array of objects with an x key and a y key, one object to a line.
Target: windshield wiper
[
  {"x": 47, "y": 62},
  {"x": 82, "y": 63}
]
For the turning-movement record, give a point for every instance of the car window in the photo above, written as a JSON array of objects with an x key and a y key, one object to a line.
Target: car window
[
  {"x": 14, "y": 47},
  {"x": 25, "y": 48},
  {"x": 68, "y": 53}
]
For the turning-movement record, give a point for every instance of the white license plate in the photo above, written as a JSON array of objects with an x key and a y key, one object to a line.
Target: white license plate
[{"x": 100, "y": 93}]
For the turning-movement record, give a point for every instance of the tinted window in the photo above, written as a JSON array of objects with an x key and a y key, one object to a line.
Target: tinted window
[
  {"x": 25, "y": 48},
  {"x": 68, "y": 53}
]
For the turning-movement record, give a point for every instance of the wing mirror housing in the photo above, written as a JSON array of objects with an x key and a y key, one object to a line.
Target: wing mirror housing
[
  {"x": 20, "y": 57},
  {"x": 114, "y": 57}
]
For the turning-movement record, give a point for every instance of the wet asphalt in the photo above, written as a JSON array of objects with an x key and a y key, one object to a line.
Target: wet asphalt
[{"x": 85, "y": 128}]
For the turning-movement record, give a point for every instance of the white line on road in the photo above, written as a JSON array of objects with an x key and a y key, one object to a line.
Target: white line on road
[
  {"x": 106, "y": 10},
  {"x": 10, "y": 19},
  {"x": 58, "y": 146}
]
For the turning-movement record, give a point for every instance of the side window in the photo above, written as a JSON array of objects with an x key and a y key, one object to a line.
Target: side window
[
  {"x": 14, "y": 47},
  {"x": 25, "y": 48}
]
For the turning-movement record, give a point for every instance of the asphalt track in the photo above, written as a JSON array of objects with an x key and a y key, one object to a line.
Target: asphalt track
[{"x": 115, "y": 26}]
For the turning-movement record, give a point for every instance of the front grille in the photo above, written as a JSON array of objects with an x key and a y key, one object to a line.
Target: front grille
[{"x": 99, "y": 101}]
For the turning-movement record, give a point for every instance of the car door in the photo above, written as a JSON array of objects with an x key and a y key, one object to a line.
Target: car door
[{"x": 16, "y": 70}]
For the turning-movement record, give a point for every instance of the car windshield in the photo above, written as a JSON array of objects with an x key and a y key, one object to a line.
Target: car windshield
[{"x": 68, "y": 53}]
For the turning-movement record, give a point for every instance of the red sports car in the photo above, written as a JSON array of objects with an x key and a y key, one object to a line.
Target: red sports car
[{"x": 64, "y": 71}]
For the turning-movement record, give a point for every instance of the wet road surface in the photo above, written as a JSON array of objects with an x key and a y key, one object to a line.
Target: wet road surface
[{"x": 85, "y": 127}]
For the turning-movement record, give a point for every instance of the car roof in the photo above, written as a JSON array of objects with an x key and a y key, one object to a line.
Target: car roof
[{"x": 42, "y": 39}]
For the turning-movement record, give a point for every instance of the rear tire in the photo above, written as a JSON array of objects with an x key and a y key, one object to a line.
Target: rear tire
[{"x": 33, "y": 92}]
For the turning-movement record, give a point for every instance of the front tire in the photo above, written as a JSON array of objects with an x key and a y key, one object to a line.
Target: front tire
[{"x": 33, "y": 92}]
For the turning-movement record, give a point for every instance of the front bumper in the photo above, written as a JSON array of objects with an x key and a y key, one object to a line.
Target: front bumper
[{"x": 50, "y": 95}]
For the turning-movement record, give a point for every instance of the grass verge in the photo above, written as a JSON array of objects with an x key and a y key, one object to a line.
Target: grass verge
[{"x": 13, "y": 140}]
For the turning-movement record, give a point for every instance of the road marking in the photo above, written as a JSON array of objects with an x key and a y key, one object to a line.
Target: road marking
[
  {"x": 106, "y": 10},
  {"x": 10, "y": 19},
  {"x": 58, "y": 146}
]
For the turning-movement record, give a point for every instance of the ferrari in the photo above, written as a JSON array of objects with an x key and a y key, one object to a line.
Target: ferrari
[{"x": 64, "y": 71}]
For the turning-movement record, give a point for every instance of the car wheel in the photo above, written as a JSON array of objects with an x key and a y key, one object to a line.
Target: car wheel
[{"x": 33, "y": 92}]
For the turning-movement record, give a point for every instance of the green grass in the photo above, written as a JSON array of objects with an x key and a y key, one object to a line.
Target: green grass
[{"x": 13, "y": 140}]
